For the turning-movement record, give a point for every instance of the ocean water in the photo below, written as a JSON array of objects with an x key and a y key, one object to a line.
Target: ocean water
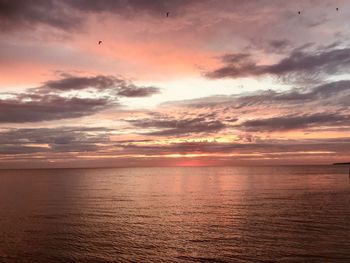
[{"x": 221, "y": 214}]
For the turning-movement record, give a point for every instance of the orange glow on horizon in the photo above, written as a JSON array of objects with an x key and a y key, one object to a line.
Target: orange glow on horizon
[{"x": 191, "y": 163}]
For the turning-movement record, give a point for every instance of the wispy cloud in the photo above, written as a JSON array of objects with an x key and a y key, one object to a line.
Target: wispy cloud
[{"x": 68, "y": 15}]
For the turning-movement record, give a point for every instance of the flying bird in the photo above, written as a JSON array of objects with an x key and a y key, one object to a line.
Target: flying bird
[
  {"x": 167, "y": 14},
  {"x": 299, "y": 12},
  {"x": 100, "y": 42},
  {"x": 337, "y": 9}
]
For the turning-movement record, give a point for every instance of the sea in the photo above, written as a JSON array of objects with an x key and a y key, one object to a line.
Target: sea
[{"x": 176, "y": 214}]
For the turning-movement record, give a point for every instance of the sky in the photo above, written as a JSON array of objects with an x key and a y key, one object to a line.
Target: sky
[{"x": 217, "y": 82}]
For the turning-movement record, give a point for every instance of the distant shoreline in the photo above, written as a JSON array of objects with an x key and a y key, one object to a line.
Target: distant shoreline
[
  {"x": 128, "y": 167},
  {"x": 341, "y": 163}
]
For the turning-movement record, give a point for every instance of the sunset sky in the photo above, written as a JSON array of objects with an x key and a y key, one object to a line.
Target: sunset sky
[{"x": 218, "y": 82}]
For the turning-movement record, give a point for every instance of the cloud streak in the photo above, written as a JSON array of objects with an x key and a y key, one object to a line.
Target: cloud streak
[
  {"x": 62, "y": 139},
  {"x": 48, "y": 107},
  {"x": 115, "y": 86},
  {"x": 289, "y": 122},
  {"x": 174, "y": 127},
  {"x": 296, "y": 65},
  {"x": 333, "y": 93},
  {"x": 49, "y": 102}
]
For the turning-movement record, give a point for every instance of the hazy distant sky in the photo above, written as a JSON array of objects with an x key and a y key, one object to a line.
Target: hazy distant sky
[{"x": 216, "y": 83}]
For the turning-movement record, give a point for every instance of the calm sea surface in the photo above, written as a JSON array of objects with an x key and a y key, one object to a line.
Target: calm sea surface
[{"x": 226, "y": 214}]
